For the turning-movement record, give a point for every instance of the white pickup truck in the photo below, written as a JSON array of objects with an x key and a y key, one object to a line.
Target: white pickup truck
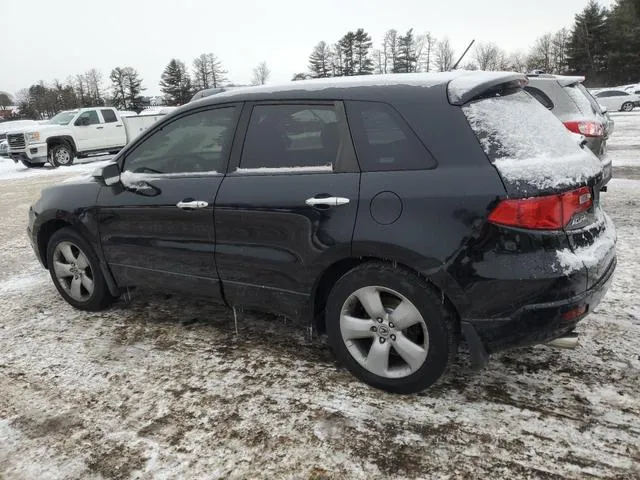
[{"x": 75, "y": 134}]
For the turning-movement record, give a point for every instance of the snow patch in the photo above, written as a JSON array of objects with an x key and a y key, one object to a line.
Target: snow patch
[
  {"x": 320, "y": 168},
  {"x": 528, "y": 144},
  {"x": 590, "y": 255},
  {"x": 136, "y": 180}
]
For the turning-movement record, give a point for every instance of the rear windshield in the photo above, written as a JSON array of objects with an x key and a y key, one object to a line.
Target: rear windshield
[
  {"x": 529, "y": 146},
  {"x": 581, "y": 100}
]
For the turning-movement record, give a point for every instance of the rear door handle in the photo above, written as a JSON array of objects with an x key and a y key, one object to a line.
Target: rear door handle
[
  {"x": 326, "y": 201},
  {"x": 118, "y": 125},
  {"x": 99, "y": 128},
  {"x": 191, "y": 205}
]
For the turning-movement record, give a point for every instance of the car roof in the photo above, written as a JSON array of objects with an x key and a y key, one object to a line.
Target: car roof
[
  {"x": 462, "y": 85},
  {"x": 563, "y": 80}
]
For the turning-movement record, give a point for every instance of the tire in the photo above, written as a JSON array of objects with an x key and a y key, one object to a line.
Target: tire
[
  {"x": 62, "y": 155},
  {"x": 627, "y": 107},
  {"x": 433, "y": 338},
  {"x": 75, "y": 271},
  {"x": 32, "y": 165}
]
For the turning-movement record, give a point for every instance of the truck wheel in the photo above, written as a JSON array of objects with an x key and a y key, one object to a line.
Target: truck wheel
[
  {"x": 75, "y": 271},
  {"x": 627, "y": 107},
  {"x": 61, "y": 155},
  {"x": 390, "y": 329},
  {"x": 32, "y": 165}
]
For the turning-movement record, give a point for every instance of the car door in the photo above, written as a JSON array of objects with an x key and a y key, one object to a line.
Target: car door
[
  {"x": 287, "y": 206},
  {"x": 114, "y": 133},
  {"x": 88, "y": 131},
  {"x": 156, "y": 226}
]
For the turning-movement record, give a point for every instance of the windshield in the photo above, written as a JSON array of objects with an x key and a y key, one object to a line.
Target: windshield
[{"x": 63, "y": 118}]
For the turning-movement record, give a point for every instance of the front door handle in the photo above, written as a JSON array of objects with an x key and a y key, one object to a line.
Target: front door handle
[
  {"x": 99, "y": 128},
  {"x": 326, "y": 201},
  {"x": 191, "y": 205},
  {"x": 118, "y": 125}
]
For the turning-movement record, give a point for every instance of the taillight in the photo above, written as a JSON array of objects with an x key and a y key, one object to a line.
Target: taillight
[
  {"x": 588, "y": 129},
  {"x": 551, "y": 212}
]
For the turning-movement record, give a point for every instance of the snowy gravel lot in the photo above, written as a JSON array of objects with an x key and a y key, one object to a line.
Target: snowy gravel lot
[{"x": 162, "y": 387}]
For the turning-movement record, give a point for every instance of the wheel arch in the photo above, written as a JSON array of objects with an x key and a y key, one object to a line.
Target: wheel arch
[
  {"x": 62, "y": 140},
  {"x": 332, "y": 274}
]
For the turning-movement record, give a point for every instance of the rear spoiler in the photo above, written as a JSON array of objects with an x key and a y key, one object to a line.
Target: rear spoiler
[
  {"x": 566, "y": 81},
  {"x": 466, "y": 87}
]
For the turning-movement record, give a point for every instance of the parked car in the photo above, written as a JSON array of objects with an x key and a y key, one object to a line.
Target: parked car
[
  {"x": 576, "y": 108},
  {"x": 391, "y": 216},
  {"x": 75, "y": 134},
  {"x": 618, "y": 100},
  {"x": 4, "y": 149}
]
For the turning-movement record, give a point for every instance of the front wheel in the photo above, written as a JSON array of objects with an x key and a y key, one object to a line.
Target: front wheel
[
  {"x": 627, "y": 106},
  {"x": 62, "y": 156},
  {"x": 390, "y": 329},
  {"x": 75, "y": 271}
]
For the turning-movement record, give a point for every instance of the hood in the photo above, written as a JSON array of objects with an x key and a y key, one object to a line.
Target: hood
[{"x": 45, "y": 127}]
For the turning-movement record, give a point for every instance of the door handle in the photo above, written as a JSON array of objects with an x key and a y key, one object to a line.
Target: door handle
[
  {"x": 191, "y": 205},
  {"x": 118, "y": 125},
  {"x": 326, "y": 201},
  {"x": 99, "y": 128}
]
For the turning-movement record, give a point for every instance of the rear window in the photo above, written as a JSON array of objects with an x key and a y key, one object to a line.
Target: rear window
[
  {"x": 580, "y": 99},
  {"x": 528, "y": 144}
]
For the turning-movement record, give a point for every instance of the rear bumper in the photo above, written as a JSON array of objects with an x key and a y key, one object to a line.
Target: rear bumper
[{"x": 535, "y": 323}]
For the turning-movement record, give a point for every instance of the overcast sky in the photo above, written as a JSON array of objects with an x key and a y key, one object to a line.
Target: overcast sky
[{"x": 47, "y": 39}]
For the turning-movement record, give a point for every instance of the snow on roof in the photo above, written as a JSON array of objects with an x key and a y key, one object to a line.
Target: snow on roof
[{"x": 460, "y": 82}]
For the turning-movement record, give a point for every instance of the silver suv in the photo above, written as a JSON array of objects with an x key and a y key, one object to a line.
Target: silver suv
[{"x": 572, "y": 103}]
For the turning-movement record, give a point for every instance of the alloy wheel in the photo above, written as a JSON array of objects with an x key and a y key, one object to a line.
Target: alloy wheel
[
  {"x": 63, "y": 157},
  {"x": 73, "y": 271},
  {"x": 384, "y": 332}
]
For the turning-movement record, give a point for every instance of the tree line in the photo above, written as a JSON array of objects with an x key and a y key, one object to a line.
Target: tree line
[{"x": 602, "y": 44}]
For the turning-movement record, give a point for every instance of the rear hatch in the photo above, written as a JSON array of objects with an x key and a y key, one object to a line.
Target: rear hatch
[{"x": 551, "y": 182}]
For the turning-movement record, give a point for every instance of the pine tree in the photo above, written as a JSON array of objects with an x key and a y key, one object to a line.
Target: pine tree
[
  {"x": 134, "y": 89},
  {"x": 624, "y": 43},
  {"x": 407, "y": 60},
  {"x": 320, "y": 61},
  {"x": 587, "y": 47},
  {"x": 176, "y": 83},
  {"x": 363, "y": 65},
  {"x": 119, "y": 88},
  {"x": 347, "y": 45}
]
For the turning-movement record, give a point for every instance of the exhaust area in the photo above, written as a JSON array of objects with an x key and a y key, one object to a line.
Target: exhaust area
[{"x": 568, "y": 341}]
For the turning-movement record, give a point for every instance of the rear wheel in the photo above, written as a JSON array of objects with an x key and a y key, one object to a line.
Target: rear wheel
[
  {"x": 62, "y": 155},
  {"x": 390, "y": 329},
  {"x": 75, "y": 271},
  {"x": 627, "y": 106}
]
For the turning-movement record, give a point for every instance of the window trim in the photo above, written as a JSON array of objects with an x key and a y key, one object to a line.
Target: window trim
[
  {"x": 348, "y": 161},
  {"x": 172, "y": 117}
]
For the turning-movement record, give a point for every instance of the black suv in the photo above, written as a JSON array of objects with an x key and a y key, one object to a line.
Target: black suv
[{"x": 395, "y": 213}]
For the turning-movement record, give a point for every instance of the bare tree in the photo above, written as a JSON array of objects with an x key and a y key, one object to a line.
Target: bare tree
[
  {"x": 444, "y": 55},
  {"x": 390, "y": 51},
  {"x": 517, "y": 61},
  {"x": 208, "y": 72},
  {"x": 261, "y": 74},
  {"x": 93, "y": 80},
  {"x": 559, "y": 47},
  {"x": 487, "y": 56},
  {"x": 541, "y": 54},
  {"x": 427, "y": 50}
]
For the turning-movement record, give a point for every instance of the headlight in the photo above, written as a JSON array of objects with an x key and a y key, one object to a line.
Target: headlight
[{"x": 32, "y": 137}]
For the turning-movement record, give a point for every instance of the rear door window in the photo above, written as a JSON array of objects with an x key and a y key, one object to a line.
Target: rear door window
[
  {"x": 294, "y": 138},
  {"x": 384, "y": 141},
  {"x": 109, "y": 116}
]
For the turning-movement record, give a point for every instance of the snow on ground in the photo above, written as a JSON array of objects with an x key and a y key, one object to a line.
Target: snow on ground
[
  {"x": 162, "y": 387},
  {"x": 9, "y": 170},
  {"x": 624, "y": 145}
]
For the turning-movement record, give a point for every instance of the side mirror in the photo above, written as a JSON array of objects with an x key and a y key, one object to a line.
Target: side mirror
[
  {"x": 109, "y": 174},
  {"x": 603, "y": 109}
]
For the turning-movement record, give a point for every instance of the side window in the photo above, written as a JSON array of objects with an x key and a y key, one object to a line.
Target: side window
[
  {"x": 109, "y": 116},
  {"x": 194, "y": 143},
  {"x": 383, "y": 139},
  {"x": 91, "y": 117},
  {"x": 293, "y": 137},
  {"x": 540, "y": 96}
]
